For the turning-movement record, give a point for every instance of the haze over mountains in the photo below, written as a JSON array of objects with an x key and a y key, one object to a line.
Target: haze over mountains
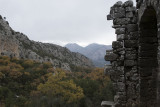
[
  {"x": 16, "y": 44},
  {"x": 95, "y": 52}
]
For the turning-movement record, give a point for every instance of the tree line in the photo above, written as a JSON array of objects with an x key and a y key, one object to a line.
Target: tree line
[{"x": 27, "y": 83}]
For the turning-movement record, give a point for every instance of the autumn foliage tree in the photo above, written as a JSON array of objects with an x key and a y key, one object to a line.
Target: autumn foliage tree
[
  {"x": 27, "y": 83},
  {"x": 17, "y": 78},
  {"x": 58, "y": 86}
]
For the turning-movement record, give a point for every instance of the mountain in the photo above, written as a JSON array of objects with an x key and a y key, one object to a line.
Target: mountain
[
  {"x": 16, "y": 44},
  {"x": 95, "y": 52}
]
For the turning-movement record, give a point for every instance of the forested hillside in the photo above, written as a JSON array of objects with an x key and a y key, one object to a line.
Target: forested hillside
[{"x": 27, "y": 83}]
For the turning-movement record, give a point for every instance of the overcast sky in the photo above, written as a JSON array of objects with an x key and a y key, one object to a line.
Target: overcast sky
[{"x": 61, "y": 21}]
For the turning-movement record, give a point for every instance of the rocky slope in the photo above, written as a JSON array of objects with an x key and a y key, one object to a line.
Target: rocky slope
[
  {"x": 15, "y": 44},
  {"x": 95, "y": 52}
]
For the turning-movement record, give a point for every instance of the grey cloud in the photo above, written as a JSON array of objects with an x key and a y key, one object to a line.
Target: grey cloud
[{"x": 61, "y": 21}]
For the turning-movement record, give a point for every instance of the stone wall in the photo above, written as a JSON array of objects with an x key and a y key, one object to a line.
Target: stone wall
[
  {"x": 124, "y": 55},
  {"x": 135, "y": 57}
]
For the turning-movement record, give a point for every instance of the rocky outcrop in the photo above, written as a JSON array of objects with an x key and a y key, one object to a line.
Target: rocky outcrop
[{"x": 15, "y": 44}]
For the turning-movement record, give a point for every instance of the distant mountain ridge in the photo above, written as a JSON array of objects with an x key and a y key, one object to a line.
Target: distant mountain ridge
[
  {"x": 16, "y": 44},
  {"x": 95, "y": 52}
]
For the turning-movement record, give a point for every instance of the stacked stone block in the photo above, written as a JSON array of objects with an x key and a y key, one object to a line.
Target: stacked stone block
[
  {"x": 135, "y": 58},
  {"x": 123, "y": 57}
]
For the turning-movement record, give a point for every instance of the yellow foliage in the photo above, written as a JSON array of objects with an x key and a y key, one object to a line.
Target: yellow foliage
[
  {"x": 14, "y": 59},
  {"x": 5, "y": 58},
  {"x": 13, "y": 69},
  {"x": 4, "y": 69},
  {"x": 15, "y": 66},
  {"x": 15, "y": 74},
  {"x": 39, "y": 68},
  {"x": 35, "y": 93},
  {"x": 28, "y": 63},
  {"x": 50, "y": 70},
  {"x": 59, "y": 87},
  {"x": 4, "y": 62},
  {"x": 27, "y": 73},
  {"x": 98, "y": 75},
  {"x": 47, "y": 65},
  {"x": 1, "y": 75},
  {"x": 42, "y": 78},
  {"x": 36, "y": 82}
]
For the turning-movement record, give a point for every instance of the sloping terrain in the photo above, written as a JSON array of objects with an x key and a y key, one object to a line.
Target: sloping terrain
[
  {"x": 95, "y": 52},
  {"x": 16, "y": 44}
]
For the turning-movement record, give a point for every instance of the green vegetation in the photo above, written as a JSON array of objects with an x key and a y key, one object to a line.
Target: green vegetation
[
  {"x": 26, "y": 83},
  {"x": 39, "y": 51}
]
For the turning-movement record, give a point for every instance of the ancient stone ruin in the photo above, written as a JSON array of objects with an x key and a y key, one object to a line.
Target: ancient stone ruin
[{"x": 135, "y": 58}]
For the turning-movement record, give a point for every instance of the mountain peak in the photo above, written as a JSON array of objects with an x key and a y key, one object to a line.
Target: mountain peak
[
  {"x": 72, "y": 44},
  {"x": 94, "y": 51},
  {"x": 16, "y": 44}
]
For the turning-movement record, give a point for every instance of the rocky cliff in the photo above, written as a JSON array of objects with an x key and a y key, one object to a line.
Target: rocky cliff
[{"x": 15, "y": 44}]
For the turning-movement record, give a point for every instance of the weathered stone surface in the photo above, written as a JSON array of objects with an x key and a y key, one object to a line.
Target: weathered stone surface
[
  {"x": 119, "y": 15},
  {"x": 148, "y": 40},
  {"x": 117, "y": 63},
  {"x": 114, "y": 64},
  {"x": 147, "y": 54},
  {"x": 109, "y": 17},
  {"x": 131, "y": 56},
  {"x": 139, "y": 53},
  {"x": 130, "y": 43},
  {"x": 118, "y": 49},
  {"x": 120, "y": 68},
  {"x": 119, "y": 12},
  {"x": 120, "y": 37},
  {"x": 133, "y": 35},
  {"x": 130, "y": 63},
  {"x": 116, "y": 26},
  {"x": 130, "y": 9},
  {"x": 138, "y": 3},
  {"x": 147, "y": 47},
  {"x": 135, "y": 77},
  {"x": 121, "y": 79},
  {"x": 129, "y": 14},
  {"x": 132, "y": 27},
  {"x": 146, "y": 71},
  {"x": 117, "y": 44},
  {"x": 1, "y": 17},
  {"x": 121, "y": 21},
  {"x": 121, "y": 57},
  {"x": 118, "y": 4},
  {"x": 134, "y": 20},
  {"x": 148, "y": 33},
  {"x": 107, "y": 69},
  {"x": 128, "y": 3},
  {"x": 120, "y": 31},
  {"x": 121, "y": 52},
  {"x": 111, "y": 57},
  {"x": 107, "y": 103},
  {"x": 131, "y": 51},
  {"x": 121, "y": 86},
  {"x": 148, "y": 62}
]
